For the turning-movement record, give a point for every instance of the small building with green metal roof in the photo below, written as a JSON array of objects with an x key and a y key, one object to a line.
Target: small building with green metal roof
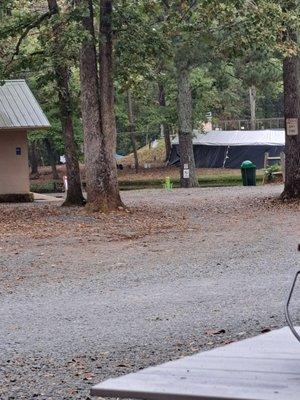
[{"x": 19, "y": 114}]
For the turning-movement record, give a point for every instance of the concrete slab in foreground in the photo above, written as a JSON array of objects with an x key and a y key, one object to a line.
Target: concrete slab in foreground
[{"x": 266, "y": 367}]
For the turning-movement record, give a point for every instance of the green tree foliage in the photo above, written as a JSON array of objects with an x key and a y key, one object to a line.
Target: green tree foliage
[{"x": 228, "y": 45}]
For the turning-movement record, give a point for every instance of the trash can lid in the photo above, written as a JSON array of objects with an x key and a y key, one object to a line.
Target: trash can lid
[{"x": 247, "y": 164}]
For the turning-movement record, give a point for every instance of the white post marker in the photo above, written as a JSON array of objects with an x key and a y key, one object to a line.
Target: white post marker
[
  {"x": 292, "y": 127},
  {"x": 65, "y": 179}
]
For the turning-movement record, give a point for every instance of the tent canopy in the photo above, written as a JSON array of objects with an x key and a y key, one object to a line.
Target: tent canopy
[
  {"x": 238, "y": 138},
  {"x": 228, "y": 149}
]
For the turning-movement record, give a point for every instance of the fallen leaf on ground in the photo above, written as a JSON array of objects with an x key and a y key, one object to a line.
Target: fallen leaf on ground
[
  {"x": 215, "y": 332},
  {"x": 266, "y": 330}
]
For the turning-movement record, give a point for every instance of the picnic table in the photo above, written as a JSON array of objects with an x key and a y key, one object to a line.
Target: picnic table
[{"x": 266, "y": 367}]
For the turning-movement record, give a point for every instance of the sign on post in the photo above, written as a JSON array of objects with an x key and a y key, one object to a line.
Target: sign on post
[
  {"x": 292, "y": 126},
  {"x": 186, "y": 173}
]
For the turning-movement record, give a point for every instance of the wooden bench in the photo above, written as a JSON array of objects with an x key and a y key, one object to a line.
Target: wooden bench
[{"x": 266, "y": 367}]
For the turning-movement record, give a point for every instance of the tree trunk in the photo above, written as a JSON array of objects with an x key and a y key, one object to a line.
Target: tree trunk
[
  {"x": 102, "y": 194},
  {"x": 132, "y": 129},
  {"x": 252, "y": 96},
  {"x": 188, "y": 176},
  {"x": 94, "y": 147},
  {"x": 291, "y": 79},
  {"x": 107, "y": 102},
  {"x": 51, "y": 156},
  {"x": 165, "y": 126},
  {"x": 33, "y": 159},
  {"x": 62, "y": 74}
]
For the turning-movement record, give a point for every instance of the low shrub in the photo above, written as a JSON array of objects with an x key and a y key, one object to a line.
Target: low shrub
[{"x": 269, "y": 172}]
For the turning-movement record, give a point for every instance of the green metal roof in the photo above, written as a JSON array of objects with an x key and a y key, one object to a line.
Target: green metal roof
[{"x": 19, "y": 108}]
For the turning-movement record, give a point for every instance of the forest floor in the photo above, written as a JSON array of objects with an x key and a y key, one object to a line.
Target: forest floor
[{"x": 87, "y": 297}]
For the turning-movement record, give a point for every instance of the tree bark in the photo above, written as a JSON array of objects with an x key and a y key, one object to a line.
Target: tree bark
[
  {"x": 132, "y": 129},
  {"x": 51, "y": 156},
  {"x": 107, "y": 102},
  {"x": 252, "y": 96},
  {"x": 291, "y": 79},
  {"x": 188, "y": 176},
  {"x": 165, "y": 126},
  {"x": 33, "y": 158},
  {"x": 62, "y": 74},
  {"x": 94, "y": 146},
  {"x": 101, "y": 173}
]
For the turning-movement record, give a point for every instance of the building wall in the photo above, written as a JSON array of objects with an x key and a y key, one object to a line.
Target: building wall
[{"x": 14, "y": 170}]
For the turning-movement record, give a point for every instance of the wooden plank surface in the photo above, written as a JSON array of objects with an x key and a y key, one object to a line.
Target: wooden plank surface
[{"x": 266, "y": 367}]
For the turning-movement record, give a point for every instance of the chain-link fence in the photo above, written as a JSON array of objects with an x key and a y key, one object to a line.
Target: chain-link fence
[{"x": 245, "y": 124}]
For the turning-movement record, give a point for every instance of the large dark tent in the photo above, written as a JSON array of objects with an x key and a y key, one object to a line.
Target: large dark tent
[{"x": 228, "y": 149}]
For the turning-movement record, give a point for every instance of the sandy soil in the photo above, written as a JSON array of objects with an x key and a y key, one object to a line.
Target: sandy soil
[{"x": 85, "y": 297}]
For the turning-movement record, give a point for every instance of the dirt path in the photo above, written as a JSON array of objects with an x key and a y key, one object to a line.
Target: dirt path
[{"x": 87, "y": 297}]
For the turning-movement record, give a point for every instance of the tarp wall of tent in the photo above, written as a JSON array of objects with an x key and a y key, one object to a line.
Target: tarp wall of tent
[{"x": 230, "y": 148}]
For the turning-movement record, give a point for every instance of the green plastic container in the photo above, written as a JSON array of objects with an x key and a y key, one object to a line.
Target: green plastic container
[{"x": 248, "y": 173}]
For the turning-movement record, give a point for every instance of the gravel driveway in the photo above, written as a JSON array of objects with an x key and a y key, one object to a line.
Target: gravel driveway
[{"x": 84, "y": 298}]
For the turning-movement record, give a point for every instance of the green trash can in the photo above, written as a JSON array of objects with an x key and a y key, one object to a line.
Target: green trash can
[{"x": 248, "y": 173}]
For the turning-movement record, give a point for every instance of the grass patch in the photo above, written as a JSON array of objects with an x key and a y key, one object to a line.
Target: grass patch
[
  {"x": 47, "y": 187},
  {"x": 204, "y": 181},
  {"x": 211, "y": 180}
]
